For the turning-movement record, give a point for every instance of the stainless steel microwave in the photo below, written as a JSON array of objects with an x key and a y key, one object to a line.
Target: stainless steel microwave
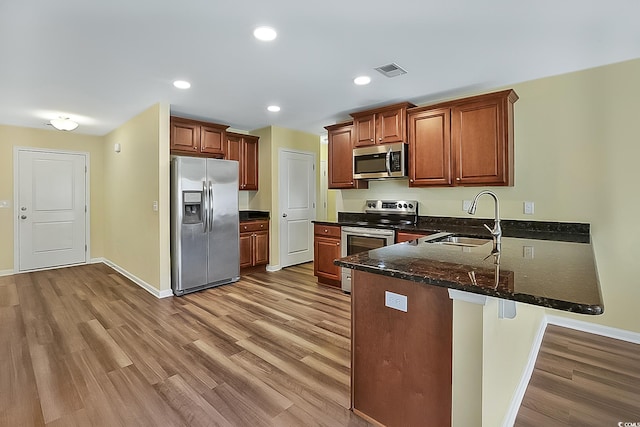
[{"x": 380, "y": 161}]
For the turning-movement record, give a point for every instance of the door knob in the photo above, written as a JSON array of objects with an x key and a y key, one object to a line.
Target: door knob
[
  {"x": 23, "y": 217},
  {"x": 284, "y": 215},
  {"x": 23, "y": 208}
]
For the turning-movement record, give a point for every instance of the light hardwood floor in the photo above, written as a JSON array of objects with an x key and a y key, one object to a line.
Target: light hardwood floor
[
  {"x": 582, "y": 379},
  {"x": 84, "y": 346}
]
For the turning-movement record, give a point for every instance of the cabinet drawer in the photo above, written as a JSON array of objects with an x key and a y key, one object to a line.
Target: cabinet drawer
[
  {"x": 254, "y": 225},
  {"x": 327, "y": 230}
]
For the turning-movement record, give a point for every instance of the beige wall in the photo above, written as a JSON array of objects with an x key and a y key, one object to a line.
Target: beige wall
[
  {"x": 576, "y": 157},
  {"x": 272, "y": 139},
  {"x": 12, "y": 136},
  {"x": 136, "y": 236}
]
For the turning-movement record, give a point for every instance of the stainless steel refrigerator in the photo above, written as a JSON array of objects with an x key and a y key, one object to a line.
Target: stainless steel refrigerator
[{"x": 205, "y": 248}]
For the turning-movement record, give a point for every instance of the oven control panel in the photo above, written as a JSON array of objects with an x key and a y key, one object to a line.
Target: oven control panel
[{"x": 392, "y": 206}]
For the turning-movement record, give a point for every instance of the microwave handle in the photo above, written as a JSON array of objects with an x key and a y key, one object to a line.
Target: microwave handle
[{"x": 387, "y": 162}]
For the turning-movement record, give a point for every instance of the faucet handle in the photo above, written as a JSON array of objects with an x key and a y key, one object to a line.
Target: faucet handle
[{"x": 488, "y": 228}]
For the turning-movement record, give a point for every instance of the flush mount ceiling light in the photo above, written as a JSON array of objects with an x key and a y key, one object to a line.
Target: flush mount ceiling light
[
  {"x": 362, "y": 80},
  {"x": 266, "y": 34},
  {"x": 63, "y": 123},
  {"x": 273, "y": 108},
  {"x": 182, "y": 84}
]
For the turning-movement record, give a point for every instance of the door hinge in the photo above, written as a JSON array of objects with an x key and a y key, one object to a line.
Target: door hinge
[
  {"x": 85, "y": 208},
  {"x": 314, "y": 167},
  {"x": 85, "y": 248},
  {"x": 85, "y": 169},
  {"x": 314, "y": 205}
]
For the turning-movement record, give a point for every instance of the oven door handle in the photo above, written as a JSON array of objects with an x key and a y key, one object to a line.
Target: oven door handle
[{"x": 358, "y": 234}]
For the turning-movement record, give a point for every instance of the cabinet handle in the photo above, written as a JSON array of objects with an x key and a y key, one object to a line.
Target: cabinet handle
[
  {"x": 457, "y": 179},
  {"x": 338, "y": 244}
]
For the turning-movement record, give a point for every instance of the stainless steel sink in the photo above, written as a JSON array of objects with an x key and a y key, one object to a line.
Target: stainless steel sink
[{"x": 461, "y": 241}]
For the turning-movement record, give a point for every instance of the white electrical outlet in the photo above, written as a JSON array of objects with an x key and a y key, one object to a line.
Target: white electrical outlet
[
  {"x": 527, "y": 252},
  {"x": 397, "y": 301},
  {"x": 4, "y": 203},
  {"x": 528, "y": 208},
  {"x": 466, "y": 204}
]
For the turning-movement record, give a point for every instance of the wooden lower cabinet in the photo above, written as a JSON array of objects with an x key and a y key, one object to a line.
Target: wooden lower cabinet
[
  {"x": 402, "y": 236},
  {"x": 326, "y": 249},
  {"x": 401, "y": 361},
  {"x": 254, "y": 243}
]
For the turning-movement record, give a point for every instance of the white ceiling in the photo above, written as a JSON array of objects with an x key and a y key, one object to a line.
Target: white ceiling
[{"x": 101, "y": 63}]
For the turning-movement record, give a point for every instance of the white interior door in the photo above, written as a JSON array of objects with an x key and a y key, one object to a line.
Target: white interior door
[
  {"x": 297, "y": 188},
  {"x": 51, "y": 209}
]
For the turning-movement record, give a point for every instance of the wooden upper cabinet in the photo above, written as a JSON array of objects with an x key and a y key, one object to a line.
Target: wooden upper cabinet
[
  {"x": 249, "y": 160},
  {"x": 212, "y": 139},
  {"x": 340, "y": 157},
  {"x": 381, "y": 125},
  {"x": 196, "y": 138},
  {"x": 430, "y": 147},
  {"x": 185, "y": 136},
  {"x": 466, "y": 142},
  {"x": 482, "y": 139},
  {"x": 244, "y": 149}
]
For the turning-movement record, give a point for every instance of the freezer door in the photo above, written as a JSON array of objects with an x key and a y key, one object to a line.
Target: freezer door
[
  {"x": 224, "y": 246},
  {"x": 188, "y": 237}
]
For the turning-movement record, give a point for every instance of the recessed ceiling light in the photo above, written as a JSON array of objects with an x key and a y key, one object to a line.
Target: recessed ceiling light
[
  {"x": 266, "y": 34},
  {"x": 362, "y": 80},
  {"x": 181, "y": 84},
  {"x": 273, "y": 108}
]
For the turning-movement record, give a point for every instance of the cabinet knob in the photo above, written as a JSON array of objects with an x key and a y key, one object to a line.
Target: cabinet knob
[
  {"x": 457, "y": 179},
  {"x": 371, "y": 140},
  {"x": 261, "y": 225},
  {"x": 326, "y": 231},
  {"x": 338, "y": 244},
  {"x": 245, "y": 227},
  {"x": 379, "y": 139}
]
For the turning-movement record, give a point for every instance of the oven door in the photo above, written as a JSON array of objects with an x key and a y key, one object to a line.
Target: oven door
[{"x": 359, "y": 239}]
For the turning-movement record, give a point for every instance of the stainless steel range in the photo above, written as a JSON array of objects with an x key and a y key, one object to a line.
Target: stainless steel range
[{"x": 375, "y": 229}]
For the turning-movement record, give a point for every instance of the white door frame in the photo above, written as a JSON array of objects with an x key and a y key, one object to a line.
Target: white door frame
[
  {"x": 16, "y": 208},
  {"x": 281, "y": 201}
]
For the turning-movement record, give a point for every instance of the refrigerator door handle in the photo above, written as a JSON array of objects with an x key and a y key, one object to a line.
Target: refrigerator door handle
[
  {"x": 205, "y": 207},
  {"x": 210, "y": 206}
]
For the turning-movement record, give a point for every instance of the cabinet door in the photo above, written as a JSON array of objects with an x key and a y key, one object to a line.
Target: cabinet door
[
  {"x": 365, "y": 130},
  {"x": 340, "y": 153},
  {"x": 326, "y": 250},
  {"x": 246, "y": 250},
  {"x": 249, "y": 161},
  {"x": 401, "y": 236},
  {"x": 480, "y": 143},
  {"x": 260, "y": 247},
  {"x": 430, "y": 147},
  {"x": 233, "y": 148},
  {"x": 390, "y": 126},
  {"x": 212, "y": 140},
  {"x": 185, "y": 136}
]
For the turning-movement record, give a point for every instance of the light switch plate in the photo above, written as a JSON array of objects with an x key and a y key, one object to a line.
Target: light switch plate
[
  {"x": 528, "y": 208},
  {"x": 397, "y": 301},
  {"x": 4, "y": 203}
]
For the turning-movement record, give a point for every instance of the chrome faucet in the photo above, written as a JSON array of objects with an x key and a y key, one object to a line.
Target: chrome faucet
[{"x": 496, "y": 231}]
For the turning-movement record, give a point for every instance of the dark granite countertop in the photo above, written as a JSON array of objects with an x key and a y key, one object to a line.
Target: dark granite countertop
[
  {"x": 539, "y": 230},
  {"x": 248, "y": 215},
  {"x": 548, "y": 273}
]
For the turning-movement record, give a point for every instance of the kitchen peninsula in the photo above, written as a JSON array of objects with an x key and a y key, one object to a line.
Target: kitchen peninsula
[{"x": 402, "y": 308}]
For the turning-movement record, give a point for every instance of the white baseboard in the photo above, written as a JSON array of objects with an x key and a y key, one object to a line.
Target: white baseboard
[
  {"x": 593, "y": 328},
  {"x": 6, "y": 272},
  {"x": 272, "y": 268},
  {"x": 144, "y": 285},
  {"x": 549, "y": 319}
]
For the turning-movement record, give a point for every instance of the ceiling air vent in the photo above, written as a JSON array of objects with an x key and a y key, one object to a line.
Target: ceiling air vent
[{"x": 390, "y": 70}]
